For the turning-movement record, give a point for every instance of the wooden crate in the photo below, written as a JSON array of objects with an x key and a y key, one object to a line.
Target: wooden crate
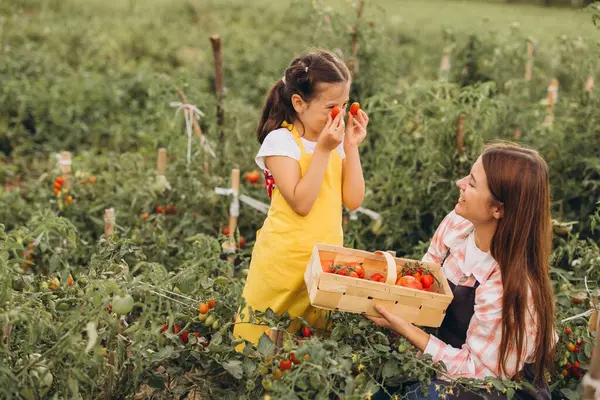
[{"x": 341, "y": 293}]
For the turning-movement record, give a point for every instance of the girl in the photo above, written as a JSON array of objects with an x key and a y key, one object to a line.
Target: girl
[
  {"x": 495, "y": 247},
  {"x": 312, "y": 166}
]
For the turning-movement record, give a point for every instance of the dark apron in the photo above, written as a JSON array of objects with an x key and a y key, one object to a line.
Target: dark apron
[{"x": 453, "y": 331}]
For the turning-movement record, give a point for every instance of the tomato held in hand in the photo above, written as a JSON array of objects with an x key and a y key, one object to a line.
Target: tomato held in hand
[
  {"x": 354, "y": 108},
  {"x": 336, "y": 110}
]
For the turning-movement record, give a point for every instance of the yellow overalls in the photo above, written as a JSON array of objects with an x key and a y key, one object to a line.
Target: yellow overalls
[{"x": 284, "y": 246}]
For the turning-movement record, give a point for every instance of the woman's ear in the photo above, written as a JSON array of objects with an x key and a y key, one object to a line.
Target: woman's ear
[
  {"x": 498, "y": 211},
  {"x": 298, "y": 103}
]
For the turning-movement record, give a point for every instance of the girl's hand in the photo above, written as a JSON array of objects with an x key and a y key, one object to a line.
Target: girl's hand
[
  {"x": 332, "y": 134},
  {"x": 389, "y": 320},
  {"x": 356, "y": 131}
]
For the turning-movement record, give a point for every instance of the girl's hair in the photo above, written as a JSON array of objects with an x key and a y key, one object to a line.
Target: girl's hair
[
  {"x": 518, "y": 178},
  {"x": 302, "y": 77}
]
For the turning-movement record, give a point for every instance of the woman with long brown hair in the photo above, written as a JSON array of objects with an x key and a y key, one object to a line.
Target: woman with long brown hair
[{"x": 495, "y": 247}]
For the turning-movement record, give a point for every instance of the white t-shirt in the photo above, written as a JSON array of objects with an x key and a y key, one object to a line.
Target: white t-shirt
[{"x": 280, "y": 142}]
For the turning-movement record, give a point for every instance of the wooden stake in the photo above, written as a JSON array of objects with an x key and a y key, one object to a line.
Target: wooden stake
[
  {"x": 589, "y": 392},
  {"x": 65, "y": 169},
  {"x": 460, "y": 134},
  {"x": 445, "y": 65},
  {"x": 529, "y": 65},
  {"x": 195, "y": 124},
  {"x": 552, "y": 99},
  {"x": 235, "y": 185},
  {"x": 589, "y": 84},
  {"x": 109, "y": 222},
  {"x": 215, "y": 40},
  {"x": 161, "y": 161},
  {"x": 353, "y": 62}
]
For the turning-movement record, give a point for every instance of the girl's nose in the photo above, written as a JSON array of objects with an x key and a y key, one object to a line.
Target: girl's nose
[{"x": 461, "y": 183}]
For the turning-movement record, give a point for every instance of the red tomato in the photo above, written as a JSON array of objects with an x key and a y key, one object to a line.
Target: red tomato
[
  {"x": 242, "y": 243},
  {"x": 353, "y": 274},
  {"x": 252, "y": 176},
  {"x": 164, "y": 328},
  {"x": 176, "y": 329},
  {"x": 377, "y": 278},
  {"x": 576, "y": 364},
  {"x": 568, "y": 330},
  {"x": 336, "y": 110},
  {"x": 306, "y": 332},
  {"x": 294, "y": 359},
  {"x": 204, "y": 308},
  {"x": 360, "y": 271},
  {"x": 285, "y": 365},
  {"x": 354, "y": 108},
  {"x": 417, "y": 276},
  {"x": 326, "y": 265},
  {"x": 185, "y": 337},
  {"x": 212, "y": 304},
  {"x": 409, "y": 282},
  {"x": 427, "y": 281},
  {"x": 159, "y": 209},
  {"x": 226, "y": 231},
  {"x": 571, "y": 347},
  {"x": 342, "y": 272}
]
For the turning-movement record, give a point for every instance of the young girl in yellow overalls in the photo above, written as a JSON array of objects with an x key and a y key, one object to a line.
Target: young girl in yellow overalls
[{"x": 312, "y": 167}]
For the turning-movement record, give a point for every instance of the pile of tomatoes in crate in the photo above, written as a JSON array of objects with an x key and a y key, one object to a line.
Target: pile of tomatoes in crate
[{"x": 410, "y": 276}]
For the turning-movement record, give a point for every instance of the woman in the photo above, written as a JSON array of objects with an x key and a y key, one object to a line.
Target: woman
[{"x": 494, "y": 247}]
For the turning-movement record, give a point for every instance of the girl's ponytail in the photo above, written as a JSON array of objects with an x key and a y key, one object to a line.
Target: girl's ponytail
[
  {"x": 302, "y": 77},
  {"x": 278, "y": 108}
]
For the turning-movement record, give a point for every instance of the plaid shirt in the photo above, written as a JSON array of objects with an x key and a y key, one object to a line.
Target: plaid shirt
[{"x": 478, "y": 357}]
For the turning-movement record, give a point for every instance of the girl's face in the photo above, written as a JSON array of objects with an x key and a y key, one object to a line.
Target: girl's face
[
  {"x": 475, "y": 201},
  {"x": 313, "y": 115}
]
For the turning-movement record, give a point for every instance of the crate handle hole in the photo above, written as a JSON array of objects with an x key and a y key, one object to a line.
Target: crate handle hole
[
  {"x": 370, "y": 297},
  {"x": 396, "y": 302},
  {"x": 343, "y": 294},
  {"x": 420, "y": 307}
]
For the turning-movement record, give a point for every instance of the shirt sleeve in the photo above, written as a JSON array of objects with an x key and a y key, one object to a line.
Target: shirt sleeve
[
  {"x": 437, "y": 249},
  {"x": 279, "y": 142},
  {"x": 478, "y": 357}
]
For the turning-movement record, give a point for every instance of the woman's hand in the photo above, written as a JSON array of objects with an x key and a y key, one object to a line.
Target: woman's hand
[
  {"x": 356, "y": 131},
  {"x": 416, "y": 336},
  {"x": 388, "y": 320}
]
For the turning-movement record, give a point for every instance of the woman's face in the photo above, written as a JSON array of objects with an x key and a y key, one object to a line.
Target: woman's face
[{"x": 475, "y": 201}]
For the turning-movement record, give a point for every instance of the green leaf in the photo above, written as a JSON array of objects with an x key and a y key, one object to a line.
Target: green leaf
[
  {"x": 266, "y": 346},
  {"x": 510, "y": 393},
  {"x": 217, "y": 339},
  {"x": 497, "y": 384},
  {"x": 248, "y": 366},
  {"x": 382, "y": 348},
  {"x": 587, "y": 349},
  {"x": 390, "y": 369},
  {"x": 156, "y": 381},
  {"x": 234, "y": 367},
  {"x": 570, "y": 394}
]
